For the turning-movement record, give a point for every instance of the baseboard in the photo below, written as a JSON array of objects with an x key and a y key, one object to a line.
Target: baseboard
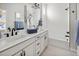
[
  {"x": 61, "y": 44},
  {"x": 58, "y": 43},
  {"x": 77, "y": 50}
]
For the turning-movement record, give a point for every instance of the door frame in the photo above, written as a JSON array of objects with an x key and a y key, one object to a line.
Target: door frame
[{"x": 72, "y": 26}]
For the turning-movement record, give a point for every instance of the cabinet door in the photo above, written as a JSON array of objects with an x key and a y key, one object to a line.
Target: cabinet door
[
  {"x": 18, "y": 54},
  {"x": 42, "y": 43},
  {"x": 46, "y": 39},
  {"x": 29, "y": 50},
  {"x": 37, "y": 47}
]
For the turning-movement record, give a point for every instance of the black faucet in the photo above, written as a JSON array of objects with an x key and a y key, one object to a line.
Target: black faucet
[
  {"x": 12, "y": 33},
  {"x": 7, "y": 34},
  {"x": 9, "y": 29}
]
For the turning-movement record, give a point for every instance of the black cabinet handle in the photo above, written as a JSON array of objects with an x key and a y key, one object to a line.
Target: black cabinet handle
[
  {"x": 73, "y": 11},
  {"x": 38, "y": 52},
  {"x": 66, "y": 9},
  {"x": 67, "y": 36},
  {"x": 45, "y": 37},
  {"x": 21, "y": 54},
  {"x": 68, "y": 32},
  {"x": 24, "y": 53},
  {"x": 38, "y": 43},
  {"x": 37, "y": 37}
]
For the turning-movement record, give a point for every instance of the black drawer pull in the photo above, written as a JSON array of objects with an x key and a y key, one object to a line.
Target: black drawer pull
[
  {"x": 24, "y": 53},
  {"x": 67, "y": 36},
  {"x": 45, "y": 37},
  {"x": 38, "y": 37},
  {"x": 38, "y": 43},
  {"x": 73, "y": 11},
  {"x": 38, "y": 52},
  {"x": 21, "y": 54},
  {"x": 68, "y": 32}
]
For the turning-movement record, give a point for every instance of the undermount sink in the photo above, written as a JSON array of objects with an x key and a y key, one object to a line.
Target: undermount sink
[
  {"x": 12, "y": 38},
  {"x": 3, "y": 41},
  {"x": 16, "y": 37}
]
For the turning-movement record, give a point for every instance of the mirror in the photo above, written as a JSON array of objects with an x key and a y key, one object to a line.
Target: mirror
[
  {"x": 33, "y": 15},
  {"x": 2, "y": 19}
]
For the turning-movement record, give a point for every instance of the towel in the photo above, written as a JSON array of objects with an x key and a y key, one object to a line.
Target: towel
[
  {"x": 77, "y": 39},
  {"x": 19, "y": 25}
]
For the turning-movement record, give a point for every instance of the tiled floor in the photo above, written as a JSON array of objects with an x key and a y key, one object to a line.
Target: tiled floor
[{"x": 56, "y": 51}]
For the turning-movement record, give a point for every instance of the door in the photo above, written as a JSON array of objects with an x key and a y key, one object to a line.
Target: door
[
  {"x": 73, "y": 25},
  {"x": 46, "y": 39},
  {"x": 42, "y": 43},
  {"x": 58, "y": 22}
]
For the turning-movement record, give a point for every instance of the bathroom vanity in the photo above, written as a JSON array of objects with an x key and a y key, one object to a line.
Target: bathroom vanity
[{"x": 24, "y": 45}]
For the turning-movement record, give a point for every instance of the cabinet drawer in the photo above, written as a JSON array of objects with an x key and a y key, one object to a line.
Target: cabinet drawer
[
  {"x": 18, "y": 54},
  {"x": 37, "y": 44},
  {"x": 29, "y": 51},
  {"x": 13, "y": 50},
  {"x": 38, "y": 37},
  {"x": 44, "y": 33},
  {"x": 38, "y": 52}
]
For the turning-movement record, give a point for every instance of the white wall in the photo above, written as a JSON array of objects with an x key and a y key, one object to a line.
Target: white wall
[
  {"x": 44, "y": 16},
  {"x": 58, "y": 20}
]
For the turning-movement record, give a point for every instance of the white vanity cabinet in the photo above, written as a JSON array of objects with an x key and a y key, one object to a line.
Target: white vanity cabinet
[
  {"x": 37, "y": 46},
  {"x": 44, "y": 41},
  {"x": 33, "y": 46},
  {"x": 29, "y": 51},
  {"x": 20, "y": 53},
  {"x": 41, "y": 43}
]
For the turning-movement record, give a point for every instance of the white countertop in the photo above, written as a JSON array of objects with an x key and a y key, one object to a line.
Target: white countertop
[{"x": 11, "y": 41}]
